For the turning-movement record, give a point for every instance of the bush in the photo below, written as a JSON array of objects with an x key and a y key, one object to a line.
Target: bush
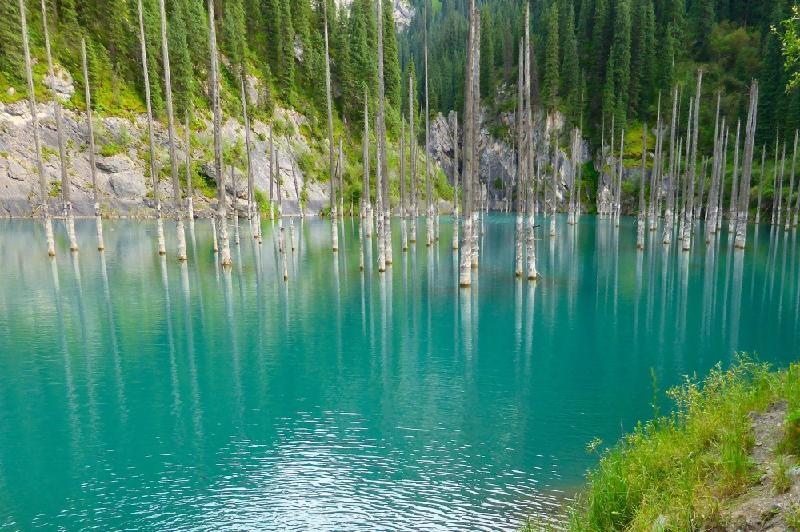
[{"x": 791, "y": 438}]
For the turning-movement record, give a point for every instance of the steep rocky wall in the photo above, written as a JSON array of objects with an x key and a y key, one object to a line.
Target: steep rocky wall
[{"x": 124, "y": 189}]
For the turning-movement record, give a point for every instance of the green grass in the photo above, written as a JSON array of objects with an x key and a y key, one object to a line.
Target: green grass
[{"x": 676, "y": 472}]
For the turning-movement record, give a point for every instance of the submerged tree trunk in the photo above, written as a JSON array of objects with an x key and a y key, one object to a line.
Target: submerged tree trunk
[
  {"x": 403, "y": 230},
  {"x": 687, "y": 235},
  {"x": 413, "y": 149},
  {"x": 522, "y": 166},
  {"x": 476, "y": 74},
  {"x": 465, "y": 262},
  {"x": 530, "y": 247},
  {"x": 331, "y": 162},
  {"x": 454, "y": 120},
  {"x": 641, "y": 218},
  {"x": 366, "y": 202},
  {"x": 791, "y": 186},
  {"x": 62, "y": 149},
  {"x": 173, "y": 160},
  {"x": 428, "y": 198},
  {"x": 189, "y": 189},
  {"x": 744, "y": 191},
  {"x": 48, "y": 224},
  {"x": 162, "y": 249},
  {"x": 761, "y": 184},
  {"x": 251, "y": 189},
  {"x": 670, "y": 185},
  {"x": 225, "y": 251},
  {"x": 90, "y": 128},
  {"x": 735, "y": 181}
]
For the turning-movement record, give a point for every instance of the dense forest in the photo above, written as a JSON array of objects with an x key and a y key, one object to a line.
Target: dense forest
[
  {"x": 278, "y": 41},
  {"x": 598, "y": 59}
]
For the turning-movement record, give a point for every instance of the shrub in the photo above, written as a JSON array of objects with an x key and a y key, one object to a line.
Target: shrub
[{"x": 791, "y": 438}]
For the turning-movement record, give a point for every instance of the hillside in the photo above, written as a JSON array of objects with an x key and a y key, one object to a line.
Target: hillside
[{"x": 284, "y": 91}]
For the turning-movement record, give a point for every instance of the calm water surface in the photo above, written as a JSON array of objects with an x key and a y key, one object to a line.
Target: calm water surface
[{"x": 137, "y": 392}]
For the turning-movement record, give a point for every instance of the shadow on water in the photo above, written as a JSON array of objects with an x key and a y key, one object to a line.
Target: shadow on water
[{"x": 139, "y": 391}]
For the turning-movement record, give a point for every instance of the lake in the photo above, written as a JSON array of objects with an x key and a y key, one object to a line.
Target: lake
[{"x": 138, "y": 392}]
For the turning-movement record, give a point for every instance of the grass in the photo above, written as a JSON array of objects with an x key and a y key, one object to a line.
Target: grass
[
  {"x": 793, "y": 518},
  {"x": 676, "y": 471},
  {"x": 782, "y": 482}
]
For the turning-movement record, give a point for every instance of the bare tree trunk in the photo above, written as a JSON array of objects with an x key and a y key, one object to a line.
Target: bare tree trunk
[
  {"x": 454, "y": 120},
  {"x": 761, "y": 184},
  {"x": 386, "y": 206},
  {"x": 641, "y": 220},
  {"x": 428, "y": 192},
  {"x": 619, "y": 177},
  {"x": 735, "y": 182},
  {"x": 48, "y": 224},
  {"x": 225, "y": 253},
  {"x": 555, "y": 189},
  {"x": 62, "y": 150},
  {"x": 251, "y": 188},
  {"x": 527, "y": 148},
  {"x": 522, "y": 166},
  {"x": 90, "y": 128},
  {"x": 687, "y": 236},
  {"x": 775, "y": 181},
  {"x": 791, "y": 186},
  {"x": 379, "y": 203},
  {"x": 666, "y": 237},
  {"x": 189, "y": 189},
  {"x": 749, "y": 147},
  {"x": 173, "y": 160},
  {"x": 477, "y": 227},
  {"x": 334, "y": 231},
  {"x": 780, "y": 186},
  {"x": 162, "y": 248},
  {"x": 413, "y": 150},
  {"x": 366, "y": 202},
  {"x": 272, "y": 177},
  {"x": 235, "y": 207},
  {"x": 403, "y": 231},
  {"x": 465, "y": 270}
]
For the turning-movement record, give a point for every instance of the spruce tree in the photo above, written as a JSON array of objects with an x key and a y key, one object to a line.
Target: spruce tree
[
  {"x": 391, "y": 62},
  {"x": 569, "y": 66},
  {"x": 10, "y": 41},
  {"x": 286, "y": 41},
  {"x": 182, "y": 71},
  {"x": 487, "y": 54},
  {"x": 551, "y": 66}
]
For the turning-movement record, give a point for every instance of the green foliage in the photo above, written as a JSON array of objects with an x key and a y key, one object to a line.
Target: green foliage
[
  {"x": 790, "y": 39},
  {"x": 781, "y": 481},
  {"x": 681, "y": 467},
  {"x": 790, "y": 444}
]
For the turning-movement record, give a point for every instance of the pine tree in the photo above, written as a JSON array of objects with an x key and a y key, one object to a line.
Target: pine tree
[
  {"x": 551, "y": 66},
  {"x": 772, "y": 82},
  {"x": 234, "y": 33},
  {"x": 391, "y": 62},
  {"x": 197, "y": 33},
  {"x": 487, "y": 54},
  {"x": 621, "y": 54},
  {"x": 569, "y": 66},
  {"x": 10, "y": 41},
  {"x": 286, "y": 40},
  {"x": 182, "y": 71},
  {"x": 703, "y": 18}
]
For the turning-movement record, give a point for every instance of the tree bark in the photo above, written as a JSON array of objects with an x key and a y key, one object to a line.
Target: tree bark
[
  {"x": 62, "y": 149},
  {"x": 641, "y": 220},
  {"x": 90, "y": 128},
  {"x": 48, "y": 224},
  {"x": 465, "y": 270},
  {"x": 225, "y": 251},
  {"x": 331, "y": 161},
  {"x": 162, "y": 249},
  {"x": 173, "y": 159}
]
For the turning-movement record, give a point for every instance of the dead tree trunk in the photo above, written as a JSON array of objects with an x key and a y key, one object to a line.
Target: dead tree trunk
[
  {"x": 454, "y": 121},
  {"x": 331, "y": 161},
  {"x": 62, "y": 149},
  {"x": 465, "y": 270},
  {"x": 225, "y": 251},
  {"x": 251, "y": 189},
  {"x": 687, "y": 235},
  {"x": 641, "y": 220},
  {"x": 749, "y": 147},
  {"x": 90, "y": 128},
  {"x": 162, "y": 249},
  {"x": 173, "y": 159},
  {"x": 48, "y": 224},
  {"x": 413, "y": 149}
]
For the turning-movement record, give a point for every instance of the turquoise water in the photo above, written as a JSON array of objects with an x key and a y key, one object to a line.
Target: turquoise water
[{"x": 136, "y": 392}]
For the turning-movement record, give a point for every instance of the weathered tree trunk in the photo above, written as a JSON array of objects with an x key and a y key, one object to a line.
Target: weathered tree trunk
[
  {"x": 189, "y": 188},
  {"x": 528, "y": 149},
  {"x": 670, "y": 185},
  {"x": 225, "y": 251},
  {"x": 162, "y": 248},
  {"x": 428, "y": 192},
  {"x": 791, "y": 186},
  {"x": 379, "y": 203},
  {"x": 48, "y": 224},
  {"x": 619, "y": 177},
  {"x": 386, "y": 207},
  {"x": 476, "y": 60},
  {"x": 761, "y": 184},
  {"x": 641, "y": 218},
  {"x": 735, "y": 182},
  {"x": 235, "y": 207},
  {"x": 251, "y": 188},
  {"x": 454, "y": 120},
  {"x": 521, "y": 164},
  {"x": 780, "y": 186},
  {"x": 555, "y": 190},
  {"x": 62, "y": 149},
  {"x": 687, "y": 235},
  {"x": 366, "y": 202},
  {"x": 749, "y": 147},
  {"x": 331, "y": 162},
  {"x": 272, "y": 177},
  {"x": 711, "y": 210},
  {"x": 90, "y": 128},
  {"x": 412, "y": 236},
  {"x": 465, "y": 270},
  {"x": 403, "y": 229},
  {"x": 173, "y": 159}
]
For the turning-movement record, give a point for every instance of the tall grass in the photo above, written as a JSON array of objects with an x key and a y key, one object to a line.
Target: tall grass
[{"x": 674, "y": 472}]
